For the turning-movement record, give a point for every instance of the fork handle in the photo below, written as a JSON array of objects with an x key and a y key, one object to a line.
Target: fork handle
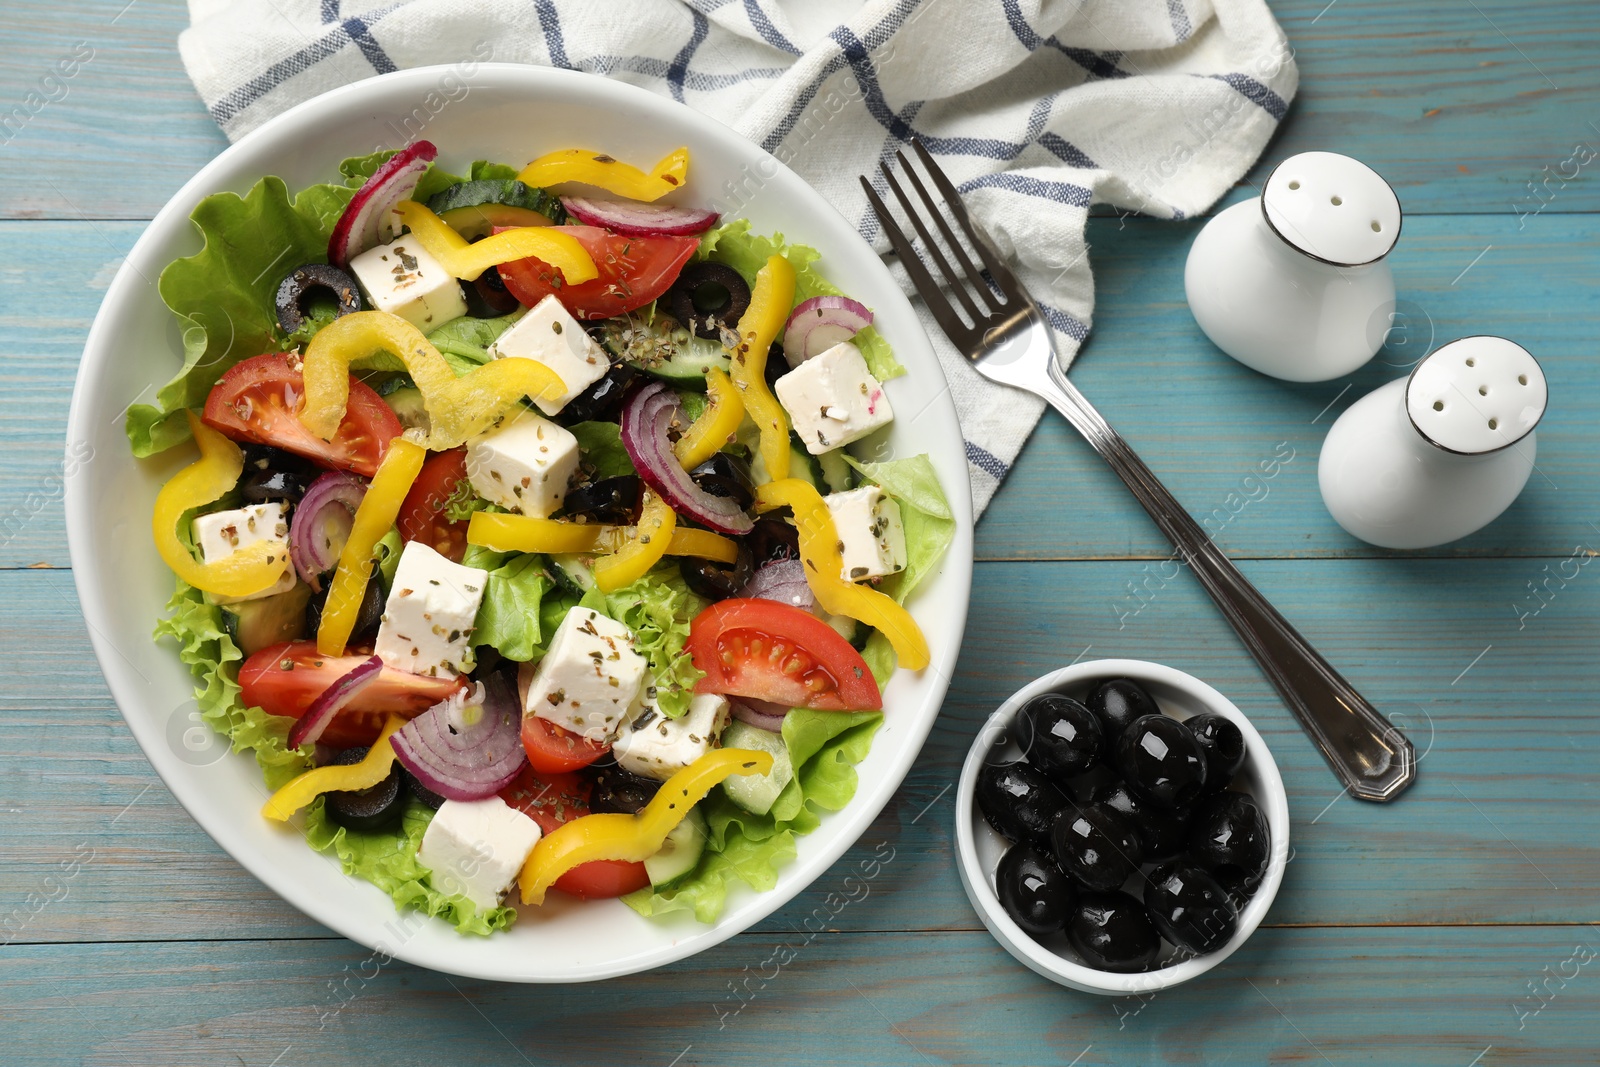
[{"x": 1373, "y": 759}]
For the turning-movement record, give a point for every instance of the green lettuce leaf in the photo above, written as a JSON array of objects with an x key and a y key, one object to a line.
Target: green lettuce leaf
[
  {"x": 224, "y": 295},
  {"x": 205, "y": 647},
  {"x": 389, "y": 861},
  {"x": 733, "y": 243},
  {"x": 465, "y": 342},
  {"x": 484, "y": 170},
  {"x": 510, "y": 617},
  {"x": 929, "y": 524},
  {"x": 658, "y": 609},
  {"x": 601, "y": 444}
]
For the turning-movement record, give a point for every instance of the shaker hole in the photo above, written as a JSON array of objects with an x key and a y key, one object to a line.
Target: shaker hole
[
  {"x": 1335, "y": 201},
  {"x": 1522, "y": 379},
  {"x": 1294, "y": 185},
  {"x": 1377, "y": 227},
  {"x": 1494, "y": 424},
  {"x": 1438, "y": 405},
  {"x": 1483, "y": 390},
  {"x": 1471, "y": 362}
]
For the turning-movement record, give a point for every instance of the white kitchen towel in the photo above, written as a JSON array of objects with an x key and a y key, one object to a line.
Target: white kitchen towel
[{"x": 1036, "y": 108}]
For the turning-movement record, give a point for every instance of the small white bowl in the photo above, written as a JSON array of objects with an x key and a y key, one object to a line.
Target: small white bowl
[{"x": 979, "y": 848}]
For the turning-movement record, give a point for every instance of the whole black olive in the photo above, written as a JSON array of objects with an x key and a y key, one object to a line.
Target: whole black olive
[
  {"x": 725, "y": 474},
  {"x": 1033, "y": 890},
  {"x": 708, "y": 297},
  {"x": 1018, "y": 801},
  {"x": 718, "y": 581},
  {"x": 368, "y": 619},
  {"x": 1161, "y": 761},
  {"x": 304, "y": 284},
  {"x": 418, "y": 790},
  {"x": 1224, "y": 748},
  {"x": 1118, "y": 702},
  {"x": 610, "y": 500},
  {"x": 1189, "y": 908},
  {"x": 1059, "y": 735},
  {"x": 602, "y": 400},
  {"x": 1097, "y": 846},
  {"x": 266, "y": 486},
  {"x": 488, "y": 297},
  {"x": 616, "y": 790},
  {"x": 1230, "y": 838},
  {"x": 1163, "y": 832},
  {"x": 371, "y": 808},
  {"x": 1112, "y": 933},
  {"x": 772, "y": 538}
]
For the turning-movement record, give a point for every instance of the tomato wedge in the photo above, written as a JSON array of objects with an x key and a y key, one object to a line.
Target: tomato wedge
[
  {"x": 259, "y": 400},
  {"x": 770, "y": 651},
  {"x": 422, "y": 516},
  {"x": 553, "y": 799},
  {"x": 285, "y": 679},
  {"x": 633, "y": 272},
  {"x": 552, "y": 750}
]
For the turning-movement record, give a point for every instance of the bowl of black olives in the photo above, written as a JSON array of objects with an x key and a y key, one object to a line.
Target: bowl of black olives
[{"x": 1121, "y": 827}]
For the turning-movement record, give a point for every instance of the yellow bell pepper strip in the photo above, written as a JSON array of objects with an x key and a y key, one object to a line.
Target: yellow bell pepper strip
[
  {"x": 467, "y": 260},
  {"x": 458, "y": 408},
  {"x": 604, "y": 172},
  {"x": 373, "y": 518},
  {"x": 249, "y": 570},
  {"x": 302, "y": 790},
  {"x": 633, "y": 838},
  {"x": 820, "y": 550},
  {"x": 771, "y": 300},
  {"x": 651, "y": 539},
  {"x": 524, "y": 533},
  {"x": 715, "y": 426}
]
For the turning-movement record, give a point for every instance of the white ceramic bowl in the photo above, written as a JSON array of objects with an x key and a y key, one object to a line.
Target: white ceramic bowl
[
  {"x": 510, "y": 113},
  {"x": 979, "y": 848}
]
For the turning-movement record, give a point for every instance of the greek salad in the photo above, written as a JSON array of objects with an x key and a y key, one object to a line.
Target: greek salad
[{"x": 525, "y": 546}]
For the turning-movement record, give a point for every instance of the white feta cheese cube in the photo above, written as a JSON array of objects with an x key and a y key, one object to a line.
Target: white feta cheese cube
[
  {"x": 474, "y": 848},
  {"x": 428, "y": 618},
  {"x": 524, "y": 464},
  {"x": 588, "y": 680},
  {"x": 653, "y": 746},
  {"x": 550, "y": 335},
  {"x": 832, "y": 399},
  {"x": 868, "y": 523},
  {"x": 403, "y": 279},
  {"x": 222, "y": 533}
]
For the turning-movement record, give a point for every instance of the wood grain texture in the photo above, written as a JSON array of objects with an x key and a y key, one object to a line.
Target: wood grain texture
[{"x": 1433, "y": 998}]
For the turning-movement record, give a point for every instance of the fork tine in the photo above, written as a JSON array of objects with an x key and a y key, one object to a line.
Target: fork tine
[
  {"x": 1002, "y": 275},
  {"x": 976, "y": 279},
  {"x": 951, "y": 277},
  {"x": 927, "y": 288}
]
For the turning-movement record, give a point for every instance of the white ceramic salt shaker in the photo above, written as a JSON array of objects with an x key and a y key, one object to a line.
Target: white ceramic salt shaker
[
  {"x": 1433, "y": 457},
  {"x": 1293, "y": 283}
]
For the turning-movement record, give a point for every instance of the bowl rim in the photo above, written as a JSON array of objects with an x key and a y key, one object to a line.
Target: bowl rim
[
  {"x": 977, "y": 880},
  {"x": 91, "y": 573}
]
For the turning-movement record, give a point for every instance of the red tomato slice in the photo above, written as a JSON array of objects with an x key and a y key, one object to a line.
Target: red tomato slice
[
  {"x": 553, "y": 799},
  {"x": 633, "y": 272},
  {"x": 285, "y": 679},
  {"x": 259, "y": 400},
  {"x": 770, "y": 651},
  {"x": 422, "y": 515},
  {"x": 552, "y": 750}
]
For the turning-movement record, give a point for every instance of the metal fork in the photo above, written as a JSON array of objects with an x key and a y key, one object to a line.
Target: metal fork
[{"x": 1008, "y": 342}]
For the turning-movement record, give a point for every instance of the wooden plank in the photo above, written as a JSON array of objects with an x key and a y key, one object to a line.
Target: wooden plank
[
  {"x": 1420, "y": 997},
  {"x": 1458, "y": 115},
  {"x": 1145, "y": 366},
  {"x": 1498, "y": 829}
]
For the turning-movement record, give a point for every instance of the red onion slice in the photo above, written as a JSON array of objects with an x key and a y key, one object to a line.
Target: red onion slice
[
  {"x": 818, "y": 324},
  {"x": 321, "y": 524},
  {"x": 630, "y": 218},
  {"x": 337, "y": 696},
  {"x": 783, "y": 580},
  {"x": 645, "y": 419},
  {"x": 758, "y": 713},
  {"x": 368, "y": 220},
  {"x": 466, "y": 747}
]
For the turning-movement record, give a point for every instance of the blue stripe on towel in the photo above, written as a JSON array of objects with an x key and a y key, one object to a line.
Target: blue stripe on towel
[{"x": 986, "y": 461}]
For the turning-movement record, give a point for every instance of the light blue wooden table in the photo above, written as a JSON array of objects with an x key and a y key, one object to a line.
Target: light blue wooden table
[{"x": 1452, "y": 928}]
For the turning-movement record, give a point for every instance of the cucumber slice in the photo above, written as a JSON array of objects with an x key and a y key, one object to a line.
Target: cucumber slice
[
  {"x": 680, "y": 852},
  {"x": 572, "y": 571},
  {"x": 270, "y": 620},
  {"x": 756, "y": 793},
  {"x": 474, "y": 209},
  {"x": 838, "y": 475},
  {"x": 406, "y": 403},
  {"x": 665, "y": 349}
]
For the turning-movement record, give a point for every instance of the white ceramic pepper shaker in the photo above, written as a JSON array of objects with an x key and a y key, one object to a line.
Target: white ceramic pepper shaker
[
  {"x": 1433, "y": 457},
  {"x": 1293, "y": 283}
]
